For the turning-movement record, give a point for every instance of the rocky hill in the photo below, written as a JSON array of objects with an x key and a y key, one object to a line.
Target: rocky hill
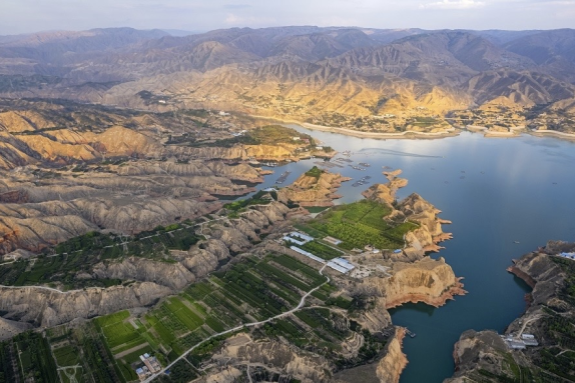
[{"x": 68, "y": 169}]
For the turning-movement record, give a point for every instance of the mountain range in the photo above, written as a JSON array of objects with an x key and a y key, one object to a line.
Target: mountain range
[{"x": 296, "y": 72}]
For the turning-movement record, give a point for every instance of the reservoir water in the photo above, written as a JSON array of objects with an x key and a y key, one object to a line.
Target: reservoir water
[{"x": 496, "y": 191}]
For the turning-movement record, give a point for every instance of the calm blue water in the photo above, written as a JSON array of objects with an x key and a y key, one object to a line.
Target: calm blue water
[{"x": 496, "y": 191}]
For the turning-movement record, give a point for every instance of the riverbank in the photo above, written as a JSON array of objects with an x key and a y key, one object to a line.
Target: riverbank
[
  {"x": 409, "y": 134},
  {"x": 562, "y": 135}
]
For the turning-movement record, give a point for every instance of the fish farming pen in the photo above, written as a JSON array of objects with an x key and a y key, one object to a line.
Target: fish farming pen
[{"x": 283, "y": 177}]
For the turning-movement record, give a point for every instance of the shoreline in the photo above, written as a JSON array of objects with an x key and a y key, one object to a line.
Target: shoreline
[
  {"x": 561, "y": 135},
  {"x": 410, "y": 134}
]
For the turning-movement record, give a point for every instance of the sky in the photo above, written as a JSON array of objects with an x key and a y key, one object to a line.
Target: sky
[{"x": 26, "y": 16}]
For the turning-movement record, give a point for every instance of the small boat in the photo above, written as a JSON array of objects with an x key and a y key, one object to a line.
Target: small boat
[
  {"x": 515, "y": 241},
  {"x": 411, "y": 334}
]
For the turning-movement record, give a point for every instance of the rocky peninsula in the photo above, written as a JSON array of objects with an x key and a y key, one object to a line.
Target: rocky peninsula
[{"x": 536, "y": 346}]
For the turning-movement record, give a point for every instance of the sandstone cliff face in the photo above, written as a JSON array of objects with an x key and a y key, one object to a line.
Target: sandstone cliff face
[
  {"x": 376, "y": 318},
  {"x": 314, "y": 191},
  {"x": 36, "y": 226},
  {"x": 430, "y": 233},
  {"x": 427, "y": 280},
  {"x": 36, "y": 233},
  {"x": 45, "y": 307},
  {"x": 9, "y": 328},
  {"x": 120, "y": 141},
  {"x": 56, "y": 152},
  {"x": 22, "y": 121},
  {"x": 389, "y": 367}
]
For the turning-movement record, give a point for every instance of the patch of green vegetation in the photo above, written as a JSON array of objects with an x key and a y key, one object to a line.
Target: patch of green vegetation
[
  {"x": 117, "y": 330},
  {"x": 66, "y": 356},
  {"x": 273, "y": 134},
  {"x": 316, "y": 209},
  {"x": 321, "y": 250},
  {"x": 314, "y": 172},
  {"x": 33, "y": 356},
  {"x": 241, "y": 205},
  {"x": 359, "y": 224}
]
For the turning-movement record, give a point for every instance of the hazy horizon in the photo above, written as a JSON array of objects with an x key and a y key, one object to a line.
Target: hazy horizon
[{"x": 31, "y": 16}]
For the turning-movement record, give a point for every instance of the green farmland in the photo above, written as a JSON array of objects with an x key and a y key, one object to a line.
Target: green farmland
[
  {"x": 253, "y": 289},
  {"x": 359, "y": 224}
]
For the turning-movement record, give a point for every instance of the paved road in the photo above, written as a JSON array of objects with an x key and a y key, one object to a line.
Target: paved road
[{"x": 284, "y": 314}]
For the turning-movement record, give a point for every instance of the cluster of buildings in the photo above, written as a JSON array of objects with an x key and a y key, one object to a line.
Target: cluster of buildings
[
  {"x": 520, "y": 343},
  {"x": 339, "y": 264},
  {"x": 151, "y": 366},
  {"x": 567, "y": 255}
]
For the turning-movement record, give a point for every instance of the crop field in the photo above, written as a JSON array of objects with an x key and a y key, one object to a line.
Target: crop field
[
  {"x": 359, "y": 224},
  {"x": 252, "y": 289},
  {"x": 66, "y": 356},
  {"x": 27, "y": 357},
  {"x": 321, "y": 250}
]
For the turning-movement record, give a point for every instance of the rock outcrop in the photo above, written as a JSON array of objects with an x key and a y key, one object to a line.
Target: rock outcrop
[
  {"x": 483, "y": 350},
  {"x": 427, "y": 280},
  {"x": 389, "y": 367},
  {"x": 314, "y": 190},
  {"x": 300, "y": 365}
]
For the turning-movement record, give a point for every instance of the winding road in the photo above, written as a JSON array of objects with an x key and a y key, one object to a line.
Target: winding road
[{"x": 284, "y": 314}]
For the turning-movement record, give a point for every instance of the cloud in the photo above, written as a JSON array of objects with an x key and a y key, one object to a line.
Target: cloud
[{"x": 453, "y": 4}]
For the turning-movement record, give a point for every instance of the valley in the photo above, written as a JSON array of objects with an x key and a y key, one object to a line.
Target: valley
[
  {"x": 240, "y": 295},
  {"x": 227, "y": 206}
]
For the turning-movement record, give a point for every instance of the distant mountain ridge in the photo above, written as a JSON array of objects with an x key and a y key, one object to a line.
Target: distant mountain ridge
[{"x": 298, "y": 71}]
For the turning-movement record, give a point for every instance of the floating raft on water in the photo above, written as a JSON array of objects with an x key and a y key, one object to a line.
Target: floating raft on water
[
  {"x": 364, "y": 164},
  {"x": 411, "y": 334},
  {"x": 283, "y": 177}
]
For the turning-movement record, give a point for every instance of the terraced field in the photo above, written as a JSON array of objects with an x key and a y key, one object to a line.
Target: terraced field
[{"x": 252, "y": 290}]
